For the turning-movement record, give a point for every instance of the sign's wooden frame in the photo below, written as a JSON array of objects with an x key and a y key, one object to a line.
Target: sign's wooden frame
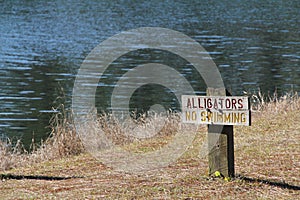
[{"x": 220, "y": 132}]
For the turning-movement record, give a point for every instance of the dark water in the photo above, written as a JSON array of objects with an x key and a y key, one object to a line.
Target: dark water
[{"x": 255, "y": 44}]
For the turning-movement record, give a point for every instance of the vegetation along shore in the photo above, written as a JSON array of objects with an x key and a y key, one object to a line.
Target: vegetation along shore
[{"x": 267, "y": 163}]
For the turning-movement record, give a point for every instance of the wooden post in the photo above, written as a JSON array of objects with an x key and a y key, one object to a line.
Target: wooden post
[{"x": 220, "y": 143}]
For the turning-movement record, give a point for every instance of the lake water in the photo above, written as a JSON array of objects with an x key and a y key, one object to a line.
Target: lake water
[{"x": 255, "y": 44}]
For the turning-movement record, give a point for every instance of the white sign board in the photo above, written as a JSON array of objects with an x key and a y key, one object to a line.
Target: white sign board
[{"x": 218, "y": 110}]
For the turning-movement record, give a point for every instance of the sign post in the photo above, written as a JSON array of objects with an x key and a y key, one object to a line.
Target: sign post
[{"x": 220, "y": 113}]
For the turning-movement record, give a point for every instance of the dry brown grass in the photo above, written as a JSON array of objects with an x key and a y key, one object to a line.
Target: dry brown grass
[
  {"x": 274, "y": 104},
  {"x": 269, "y": 149},
  {"x": 267, "y": 164},
  {"x": 11, "y": 155},
  {"x": 63, "y": 141},
  {"x": 117, "y": 132}
]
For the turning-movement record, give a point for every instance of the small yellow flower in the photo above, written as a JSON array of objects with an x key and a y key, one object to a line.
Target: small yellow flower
[
  {"x": 227, "y": 179},
  {"x": 217, "y": 174}
]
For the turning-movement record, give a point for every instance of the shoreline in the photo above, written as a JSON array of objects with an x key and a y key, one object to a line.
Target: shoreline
[{"x": 267, "y": 165}]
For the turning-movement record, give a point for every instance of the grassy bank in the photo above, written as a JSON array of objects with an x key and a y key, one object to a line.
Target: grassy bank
[{"x": 267, "y": 163}]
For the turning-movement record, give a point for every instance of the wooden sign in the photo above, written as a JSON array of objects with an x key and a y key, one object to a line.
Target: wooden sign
[
  {"x": 220, "y": 112},
  {"x": 215, "y": 110}
]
